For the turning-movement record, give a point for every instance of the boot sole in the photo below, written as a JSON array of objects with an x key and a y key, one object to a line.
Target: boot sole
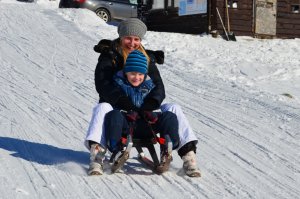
[
  {"x": 194, "y": 175},
  {"x": 95, "y": 173}
]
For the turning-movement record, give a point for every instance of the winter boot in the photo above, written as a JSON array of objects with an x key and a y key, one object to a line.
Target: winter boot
[
  {"x": 97, "y": 154},
  {"x": 165, "y": 160},
  {"x": 119, "y": 157},
  {"x": 190, "y": 165}
]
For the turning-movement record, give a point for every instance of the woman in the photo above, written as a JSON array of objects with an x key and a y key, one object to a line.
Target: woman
[{"x": 112, "y": 59}]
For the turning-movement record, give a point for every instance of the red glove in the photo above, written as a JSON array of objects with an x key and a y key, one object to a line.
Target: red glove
[
  {"x": 150, "y": 117},
  {"x": 132, "y": 116}
]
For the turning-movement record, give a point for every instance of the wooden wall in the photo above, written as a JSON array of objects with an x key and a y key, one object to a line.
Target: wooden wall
[
  {"x": 241, "y": 18},
  {"x": 288, "y": 23}
]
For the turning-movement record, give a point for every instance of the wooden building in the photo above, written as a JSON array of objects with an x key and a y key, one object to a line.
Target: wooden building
[
  {"x": 256, "y": 18},
  {"x": 259, "y": 18},
  {"x": 288, "y": 19}
]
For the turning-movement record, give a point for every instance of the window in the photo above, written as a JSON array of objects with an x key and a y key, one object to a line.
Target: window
[
  {"x": 133, "y": 2},
  {"x": 157, "y": 4},
  {"x": 232, "y": 4},
  {"x": 165, "y": 3},
  {"x": 295, "y": 8},
  {"x": 122, "y": 1}
]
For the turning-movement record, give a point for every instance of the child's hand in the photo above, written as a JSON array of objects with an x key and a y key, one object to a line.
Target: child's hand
[
  {"x": 150, "y": 117},
  {"x": 124, "y": 103},
  {"x": 150, "y": 104},
  {"x": 132, "y": 116}
]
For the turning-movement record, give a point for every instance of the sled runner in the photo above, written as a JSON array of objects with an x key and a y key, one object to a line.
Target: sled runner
[
  {"x": 121, "y": 157},
  {"x": 153, "y": 164}
]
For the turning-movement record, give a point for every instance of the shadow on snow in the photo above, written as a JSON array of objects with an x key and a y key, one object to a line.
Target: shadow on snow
[{"x": 42, "y": 153}]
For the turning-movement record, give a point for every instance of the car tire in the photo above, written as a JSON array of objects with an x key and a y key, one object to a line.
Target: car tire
[{"x": 103, "y": 14}]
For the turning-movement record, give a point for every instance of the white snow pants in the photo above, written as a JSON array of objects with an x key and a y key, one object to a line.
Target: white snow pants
[{"x": 96, "y": 128}]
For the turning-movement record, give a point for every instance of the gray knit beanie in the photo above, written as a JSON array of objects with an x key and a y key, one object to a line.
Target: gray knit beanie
[{"x": 132, "y": 27}]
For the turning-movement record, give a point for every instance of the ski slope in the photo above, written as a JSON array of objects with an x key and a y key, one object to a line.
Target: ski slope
[{"x": 231, "y": 92}]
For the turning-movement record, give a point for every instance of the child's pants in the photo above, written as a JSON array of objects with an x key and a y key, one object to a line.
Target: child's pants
[{"x": 116, "y": 126}]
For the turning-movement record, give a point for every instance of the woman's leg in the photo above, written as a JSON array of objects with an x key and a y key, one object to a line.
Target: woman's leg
[
  {"x": 95, "y": 136},
  {"x": 95, "y": 131}
]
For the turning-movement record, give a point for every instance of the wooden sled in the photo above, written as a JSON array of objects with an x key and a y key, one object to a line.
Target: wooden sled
[{"x": 139, "y": 144}]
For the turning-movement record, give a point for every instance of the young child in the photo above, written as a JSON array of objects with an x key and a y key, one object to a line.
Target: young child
[{"x": 133, "y": 80}]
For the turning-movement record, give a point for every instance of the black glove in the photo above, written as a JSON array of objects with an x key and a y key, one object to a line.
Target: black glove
[
  {"x": 103, "y": 46},
  {"x": 149, "y": 104},
  {"x": 150, "y": 117},
  {"x": 159, "y": 56},
  {"x": 124, "y": 103},
  {"x": 132, "y": 116}
]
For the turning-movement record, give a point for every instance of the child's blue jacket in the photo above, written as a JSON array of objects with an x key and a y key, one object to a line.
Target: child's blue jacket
[{"x": 136, "y": 94}]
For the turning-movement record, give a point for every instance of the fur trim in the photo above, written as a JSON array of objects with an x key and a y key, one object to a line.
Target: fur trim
[{"x": 105, "y": 45}]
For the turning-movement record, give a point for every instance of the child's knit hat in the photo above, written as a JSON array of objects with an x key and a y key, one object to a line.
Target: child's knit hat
[{"x": 136, "y": 62}]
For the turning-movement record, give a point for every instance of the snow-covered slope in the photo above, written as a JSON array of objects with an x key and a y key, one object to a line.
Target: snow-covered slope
[{"x": 230, "y": 91}]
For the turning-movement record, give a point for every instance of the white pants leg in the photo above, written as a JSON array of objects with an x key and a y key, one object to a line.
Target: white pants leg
[
  {"x": 185, "y": 131},
  {"x": 96, "y": 128}
]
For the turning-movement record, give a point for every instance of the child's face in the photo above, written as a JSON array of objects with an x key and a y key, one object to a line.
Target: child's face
[{"x": 135, "y": 78}]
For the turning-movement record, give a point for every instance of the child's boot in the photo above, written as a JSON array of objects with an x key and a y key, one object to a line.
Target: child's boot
[
  {"x": 190, "y": 164},
  {"x": 97, "y": 155},
  {"x": 165, "y": 160}
]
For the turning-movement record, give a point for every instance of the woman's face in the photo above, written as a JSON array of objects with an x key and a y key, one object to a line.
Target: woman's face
[
  {"x": 135, "y": 78},
  {"x": 130, "y": 43}
]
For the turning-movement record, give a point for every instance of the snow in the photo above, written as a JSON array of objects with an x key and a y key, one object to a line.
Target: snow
[{"x": 242, "y": 99}]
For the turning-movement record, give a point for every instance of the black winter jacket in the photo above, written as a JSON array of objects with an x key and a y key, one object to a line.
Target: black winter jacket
[{"x": 109, "y": 62}]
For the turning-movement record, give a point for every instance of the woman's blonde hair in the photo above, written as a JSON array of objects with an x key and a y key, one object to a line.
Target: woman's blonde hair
[{"x": 125, "y": 53}]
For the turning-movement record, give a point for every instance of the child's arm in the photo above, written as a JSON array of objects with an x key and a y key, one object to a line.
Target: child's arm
[{"x": 157, "y": 94}]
